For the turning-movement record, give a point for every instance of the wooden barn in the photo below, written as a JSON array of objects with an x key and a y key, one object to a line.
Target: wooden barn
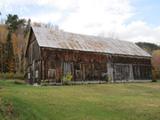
[{"x": 51, "y": 54}]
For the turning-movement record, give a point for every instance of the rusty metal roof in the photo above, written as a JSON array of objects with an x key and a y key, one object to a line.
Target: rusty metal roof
[{"x": 53, "y": 38}]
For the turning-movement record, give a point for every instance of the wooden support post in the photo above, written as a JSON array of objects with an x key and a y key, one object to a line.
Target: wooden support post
[
  {"x": 110, "y": 72},
  {"x": 131, "y": 77}
]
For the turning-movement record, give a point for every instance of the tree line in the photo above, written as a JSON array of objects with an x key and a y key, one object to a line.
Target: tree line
[{"x": 12, "y": 50}]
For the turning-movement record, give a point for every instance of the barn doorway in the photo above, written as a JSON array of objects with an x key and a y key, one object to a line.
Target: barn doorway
[{"x": 121, "y": 72}]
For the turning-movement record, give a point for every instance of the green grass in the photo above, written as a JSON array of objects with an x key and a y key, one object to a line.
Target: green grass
[{"x": 134, "y": 101}]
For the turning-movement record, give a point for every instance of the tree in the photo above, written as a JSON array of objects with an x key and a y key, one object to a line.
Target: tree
[
  {"x": 149, "y": 47},
  {"x": 9, "y": 53},
  {"x": 13, "y": 24},
  {"x": 1, "y": 58},
  {"x": 156, "y": 64}
]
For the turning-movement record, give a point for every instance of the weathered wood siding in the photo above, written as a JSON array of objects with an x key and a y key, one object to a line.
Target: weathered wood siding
[
  {"x": 89, "y": 66},
  {"x": 82, "y": 65},
  {"x": 33, "y": 60},
  {"x": 131, "y": 68}
]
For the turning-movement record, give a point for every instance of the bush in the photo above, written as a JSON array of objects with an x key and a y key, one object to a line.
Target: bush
[
  {"x": 155, "y": 75},
  {"x": 105, "y": 77},
  {"x": 67, "y": 78},
  {"x": 154, "y": 80}
]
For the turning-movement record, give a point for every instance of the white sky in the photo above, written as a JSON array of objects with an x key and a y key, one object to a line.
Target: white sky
[{"x": 108, "y": 18}]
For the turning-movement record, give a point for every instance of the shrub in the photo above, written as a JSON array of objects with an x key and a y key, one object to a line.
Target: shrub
[
  {"x": 105, "y": 77},
  {"x": 155, "y": 75},
  {"x": 154, "y": 80},
  {"x": 67, "y": 78}
]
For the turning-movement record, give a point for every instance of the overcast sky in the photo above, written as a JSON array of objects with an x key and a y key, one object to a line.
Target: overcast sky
[{"x": 132, "y": 20}]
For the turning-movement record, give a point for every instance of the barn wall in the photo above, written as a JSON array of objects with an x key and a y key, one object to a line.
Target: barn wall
[
  {"x": 33, "y": 61},
  {"x": 130, "y": 68},
  {"x": 82, "y": 65},
  {"x": 87, "y": 66}
]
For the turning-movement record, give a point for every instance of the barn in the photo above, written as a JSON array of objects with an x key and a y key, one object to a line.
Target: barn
[{"x": 52, "y": 54}]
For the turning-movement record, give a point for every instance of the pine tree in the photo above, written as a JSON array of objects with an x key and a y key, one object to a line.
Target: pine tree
[{"x": 13, "y": 24}]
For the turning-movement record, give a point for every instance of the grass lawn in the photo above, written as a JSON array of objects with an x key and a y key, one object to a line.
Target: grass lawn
[{"x": 129, "y": 101}]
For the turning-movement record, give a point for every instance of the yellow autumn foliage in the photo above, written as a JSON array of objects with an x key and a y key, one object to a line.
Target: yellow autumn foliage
[
  {"x": 156, "y": 64},
  {"x": 18, "y": 42},
  {"x": 3, "y": 33}
]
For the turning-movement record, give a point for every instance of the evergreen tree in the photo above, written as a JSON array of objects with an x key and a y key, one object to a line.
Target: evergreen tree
[{"x": 13, "y": 24}]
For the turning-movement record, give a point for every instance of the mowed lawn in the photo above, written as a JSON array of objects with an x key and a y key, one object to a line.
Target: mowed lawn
[{"x": 129, "y": 101}]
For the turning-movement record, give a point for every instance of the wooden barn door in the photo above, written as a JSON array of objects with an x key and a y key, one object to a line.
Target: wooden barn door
[
  {"x": 77, "y": 72},
  {"x": 121, "y": 72},
  {"x": 86, "y": 72},
  {"x": 52, "y": 71}
]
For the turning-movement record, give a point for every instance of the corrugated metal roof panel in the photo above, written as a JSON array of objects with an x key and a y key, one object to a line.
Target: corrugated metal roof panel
[{"x": 47, "y": 37}]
